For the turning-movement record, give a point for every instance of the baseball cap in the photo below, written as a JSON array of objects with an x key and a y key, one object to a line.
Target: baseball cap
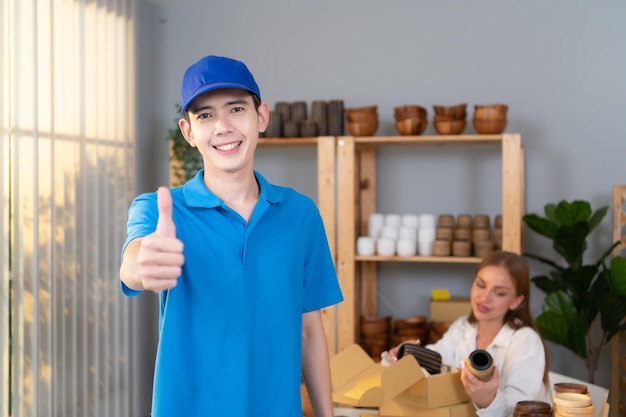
[{"x": 213, "y": 73}]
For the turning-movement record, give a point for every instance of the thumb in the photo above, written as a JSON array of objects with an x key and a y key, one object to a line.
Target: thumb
[{"x": 165, "y": 224}]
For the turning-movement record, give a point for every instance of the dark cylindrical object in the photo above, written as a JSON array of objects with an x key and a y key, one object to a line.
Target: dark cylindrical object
[{"x": 480, "y": 363}]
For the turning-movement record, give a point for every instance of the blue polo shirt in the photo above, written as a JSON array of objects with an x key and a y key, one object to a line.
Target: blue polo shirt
[{"x": 231, "y": 330}]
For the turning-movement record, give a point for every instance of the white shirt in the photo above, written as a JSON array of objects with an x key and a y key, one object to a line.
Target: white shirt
[{"x": 518, "y": 355}]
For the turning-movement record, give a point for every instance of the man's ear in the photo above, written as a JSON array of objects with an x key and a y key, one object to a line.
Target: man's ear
[
  {"x": 264, "y": 116},
  {"x": 185, "y": 128}
]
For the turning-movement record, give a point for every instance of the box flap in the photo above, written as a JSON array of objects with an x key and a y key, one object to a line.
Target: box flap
[
  {"x": 347, "y": 364},
  {"x": 401, "y": 376},
  {"x": 359, "y": 381}
]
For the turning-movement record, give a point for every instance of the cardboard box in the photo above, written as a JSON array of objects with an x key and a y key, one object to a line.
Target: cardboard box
[
  {"x": 449, "y": 310},
  {"x": 395, "y": 408},
  {"x": 359, "y": 381}
]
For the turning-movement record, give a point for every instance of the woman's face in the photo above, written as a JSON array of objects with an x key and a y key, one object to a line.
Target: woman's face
[{"x": 493, "y": 294}]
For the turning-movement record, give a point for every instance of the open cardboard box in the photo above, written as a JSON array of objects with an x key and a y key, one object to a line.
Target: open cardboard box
[
  {"x": 395, "y": 408},
  {"x": 359, "y": 381},
  {"x": 450, "y": 309}
]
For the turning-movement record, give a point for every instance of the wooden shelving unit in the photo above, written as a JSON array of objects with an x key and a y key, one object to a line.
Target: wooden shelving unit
[
  {"x": 326, "y": 163},
  {"x": 618, "y": 344},
  {"x": 356, "y": 191}
]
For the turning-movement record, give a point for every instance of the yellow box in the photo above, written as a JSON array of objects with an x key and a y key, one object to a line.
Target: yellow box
[
  {"x": 449, "y": 310},
  {"x": 359, "y": 381},
  {"x": 396, "y": 408}
]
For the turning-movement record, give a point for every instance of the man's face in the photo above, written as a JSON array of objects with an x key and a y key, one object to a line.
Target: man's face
[{"x": 224, "y": 125}]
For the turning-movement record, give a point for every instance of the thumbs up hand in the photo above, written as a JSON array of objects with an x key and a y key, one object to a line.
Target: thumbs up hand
[{"x": 160, "y": 257}]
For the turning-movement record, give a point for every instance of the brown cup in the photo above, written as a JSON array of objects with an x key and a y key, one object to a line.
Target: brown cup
[{"x": 480, "y": 364}]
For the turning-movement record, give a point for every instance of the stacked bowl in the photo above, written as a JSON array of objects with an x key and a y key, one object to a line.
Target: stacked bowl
[
  {"x": 362, "y": 121},
  {"x": 490, "y": 118},
  {"x": 410, "y": 119},
  {"x": 450, "y": 120}
]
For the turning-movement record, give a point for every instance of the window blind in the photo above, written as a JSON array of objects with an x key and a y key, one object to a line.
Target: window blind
[{"x": 66, "y": 149}]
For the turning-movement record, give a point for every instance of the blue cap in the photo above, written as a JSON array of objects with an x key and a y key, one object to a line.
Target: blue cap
[{"x": 214, "y": 73}]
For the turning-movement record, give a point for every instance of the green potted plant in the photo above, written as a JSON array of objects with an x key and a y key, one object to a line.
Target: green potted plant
[
  {"x": 185, "y": 161},
  {"x": 580, "y": 298}
]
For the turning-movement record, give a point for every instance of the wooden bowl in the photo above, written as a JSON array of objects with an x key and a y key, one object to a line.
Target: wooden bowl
[
  {"x": 367, "y": 128},
  {"x": 361, "y": 116},
  {"x": 450, "y": 127},
  {"x": 457, "y": 111},
  {"x": 411, "y": 126},
  {"x": 490, "y": 111},
  {"x": 570, "y": 387},
  {"x": 417, "y": 322},
  {"x": 489, "y": 126},
  {"x": 366, "y": 109},
  {"x": 409, "y": 110},
  {"x": 375, "y": 325}
]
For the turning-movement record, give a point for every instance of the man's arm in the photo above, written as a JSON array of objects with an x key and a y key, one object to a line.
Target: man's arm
[{"x": 315, "y": 364}]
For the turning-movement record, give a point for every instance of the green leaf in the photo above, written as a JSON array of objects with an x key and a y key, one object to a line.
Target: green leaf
[
  {"x": 578, "y": 280},
  {"x": 568, "y": 214},
  {"x": 547, "y": 285},
  {"x": 597, "y": 217},
  {"x": 616, "y": 275},
  {"x": 562, "y": 324},
  {"x": 571, "y": 242},
  {"x": 550, "y": 210},
  {"x": 540, "y": 225}
]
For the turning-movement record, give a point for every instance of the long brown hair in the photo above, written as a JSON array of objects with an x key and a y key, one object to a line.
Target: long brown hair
[{"x": 518, "y": 270}]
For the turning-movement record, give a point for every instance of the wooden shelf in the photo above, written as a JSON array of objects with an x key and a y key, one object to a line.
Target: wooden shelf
[
  {"x": 356, "y": 199},
  {"x": 426, "y": 259},
  {"x": 291, "y": 141}
]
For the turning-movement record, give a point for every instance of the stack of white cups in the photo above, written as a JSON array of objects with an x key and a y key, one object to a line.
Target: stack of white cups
[
  {"x": 426, "y": 234},
  {"x": 386, "y": 243},
  {"x": 406, "y": 244},
  {"x": 390, "y": 234}
]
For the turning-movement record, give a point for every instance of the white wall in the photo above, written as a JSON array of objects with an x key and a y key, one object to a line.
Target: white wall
[{"x": 559, "y": 65}]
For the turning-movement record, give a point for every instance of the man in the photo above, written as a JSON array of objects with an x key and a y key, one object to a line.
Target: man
[{"x": 242, "y": 267}]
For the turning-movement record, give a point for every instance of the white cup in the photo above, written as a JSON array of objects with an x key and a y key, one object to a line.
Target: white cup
[
  {"x": 390, "y": 232},
  {"x": 407, "y": 233},
  {"x": 365, "y": 246},
  {"x": 425, "y": 247},
  {"x": 427, "y": 220},
  {"x": 406, "y": 247},
  {"x": 410, "y": 220},
  {"x": 426, "y": 234},
  {"x": 394, "y": 220},
  {"x": 385, "y": 247},
  {"x": 375, "y": 224}
]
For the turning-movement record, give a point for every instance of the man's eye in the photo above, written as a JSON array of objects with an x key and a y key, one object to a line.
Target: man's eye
[
  {"x": 203, "y": 116},
  {"x": 237, "y": 109}
]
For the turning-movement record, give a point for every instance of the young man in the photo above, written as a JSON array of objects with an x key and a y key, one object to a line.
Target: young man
[{"x": 242, "y": 267}]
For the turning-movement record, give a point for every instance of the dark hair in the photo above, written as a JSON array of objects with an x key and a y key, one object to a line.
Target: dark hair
[{"x": 518, "y": 270}]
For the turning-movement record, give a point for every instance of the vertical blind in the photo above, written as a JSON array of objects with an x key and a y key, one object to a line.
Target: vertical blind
[{"x": 66, "y": 115}]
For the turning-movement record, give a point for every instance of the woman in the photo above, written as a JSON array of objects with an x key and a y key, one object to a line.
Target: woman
[{"x": 500, "y": 323}]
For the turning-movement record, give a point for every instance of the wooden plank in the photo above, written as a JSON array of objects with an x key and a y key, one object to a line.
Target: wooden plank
[
  {"x": 618, "y": 343},
  {"x": 326, "y": 203},
  {"x": 347, "y": 311},
  {"x": 512, "y": 192},
  {"x": 366, "y": 200}
]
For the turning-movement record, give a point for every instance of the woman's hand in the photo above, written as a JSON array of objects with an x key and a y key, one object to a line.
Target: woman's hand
[
  {"x": 481, "y": 393},
  {"x": 393, "y": 352}
]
